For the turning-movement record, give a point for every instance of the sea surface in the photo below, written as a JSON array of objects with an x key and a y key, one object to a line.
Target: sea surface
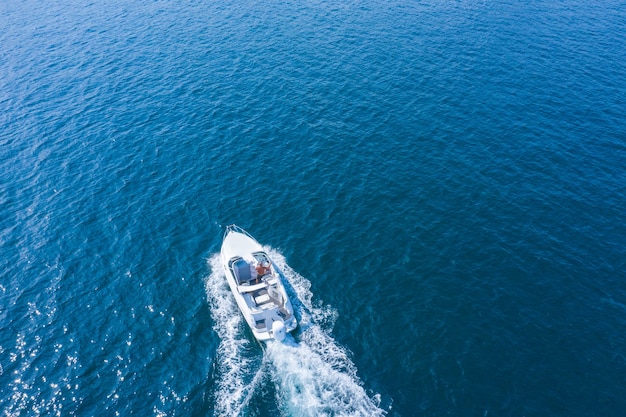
[{"x": 443, "y": 184}]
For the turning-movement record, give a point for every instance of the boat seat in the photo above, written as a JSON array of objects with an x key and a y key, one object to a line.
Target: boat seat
[
  {"x": 241, "y": 269},
  {"x": 262, "y": 299}
]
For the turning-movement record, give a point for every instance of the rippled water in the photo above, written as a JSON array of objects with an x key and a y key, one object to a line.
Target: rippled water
[{"x": 443, "y": 184}]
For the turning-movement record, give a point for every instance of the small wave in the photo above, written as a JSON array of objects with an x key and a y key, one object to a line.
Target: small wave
[{"x": 313, "y": 374}]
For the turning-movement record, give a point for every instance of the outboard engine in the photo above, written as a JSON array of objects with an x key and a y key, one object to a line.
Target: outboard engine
[{"x": 278, "y": 330}]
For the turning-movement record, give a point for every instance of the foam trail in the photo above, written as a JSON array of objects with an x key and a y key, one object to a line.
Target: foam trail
[
  {"x": 315, "y": 376},
  {"x": 236, "y": 379},
  {"x": 308, "y": 384}
]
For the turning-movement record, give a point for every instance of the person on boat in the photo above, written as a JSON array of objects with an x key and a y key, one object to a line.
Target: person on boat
[{"x": 263, "y": 268}]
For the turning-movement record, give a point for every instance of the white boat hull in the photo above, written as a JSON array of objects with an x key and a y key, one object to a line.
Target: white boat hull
[{"x": 256, "y": 284}]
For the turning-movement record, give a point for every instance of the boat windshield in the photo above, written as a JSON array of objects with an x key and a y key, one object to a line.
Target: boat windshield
[{"x": 261, "y": 257}]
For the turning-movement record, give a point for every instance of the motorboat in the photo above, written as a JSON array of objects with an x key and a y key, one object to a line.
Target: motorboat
[{"x": 256, "y": 283}]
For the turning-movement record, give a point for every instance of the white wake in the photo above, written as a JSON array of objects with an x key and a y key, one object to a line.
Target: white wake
[{"x": 313, "y": 375}]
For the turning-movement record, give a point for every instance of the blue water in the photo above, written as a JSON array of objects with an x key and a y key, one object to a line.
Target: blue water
[{"x": 443, "y": 183}]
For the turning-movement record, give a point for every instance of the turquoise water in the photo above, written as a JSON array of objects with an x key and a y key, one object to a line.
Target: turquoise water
[{"x": 443, "y": 184}]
